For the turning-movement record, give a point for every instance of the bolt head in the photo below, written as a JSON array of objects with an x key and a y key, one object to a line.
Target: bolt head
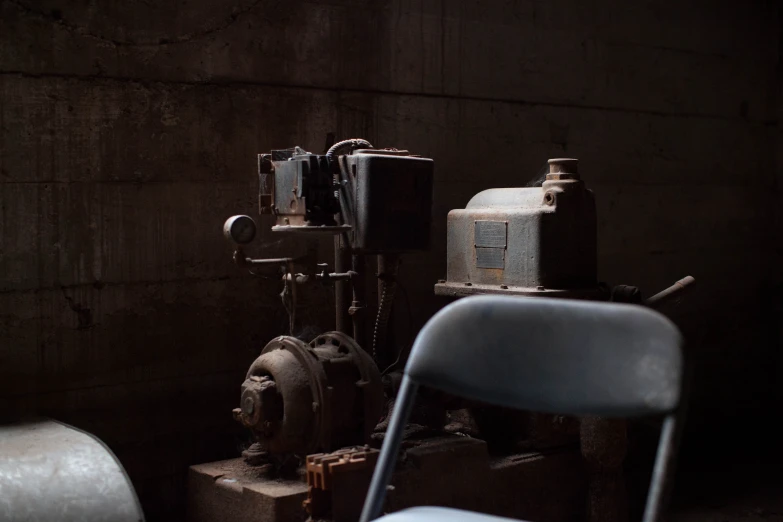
[{"x": 248, "y": 406}]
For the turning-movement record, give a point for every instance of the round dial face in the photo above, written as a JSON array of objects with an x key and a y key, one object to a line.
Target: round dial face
[{"x": 240, "y": 229}]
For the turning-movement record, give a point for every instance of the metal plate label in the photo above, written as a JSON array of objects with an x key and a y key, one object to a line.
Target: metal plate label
[
  {"x": 490, "y": 234},
  {"x": 490, "y": 258}
]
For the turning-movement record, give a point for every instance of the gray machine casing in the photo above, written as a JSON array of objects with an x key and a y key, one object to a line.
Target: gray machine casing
[{"x": 524, "y": 241}]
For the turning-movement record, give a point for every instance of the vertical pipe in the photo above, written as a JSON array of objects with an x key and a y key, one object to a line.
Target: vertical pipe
[
  {"x": 358, "y": 306},
  {"x": 292, "y": 314},
  {"x": 342, "y": 289}
]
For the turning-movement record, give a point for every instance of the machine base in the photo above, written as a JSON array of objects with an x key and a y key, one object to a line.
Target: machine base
[
  {"x": 456, "y": 289},
  {"x": 445, "y": 471}
]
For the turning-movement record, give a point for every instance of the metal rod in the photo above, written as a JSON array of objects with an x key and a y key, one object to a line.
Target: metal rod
[
  {"x": 292, "y": 323},
  {"x": 662, "y": 471},
  {"x": 342, "y": 288},
  {"x": 337, "y": 277},
  {"x": 272, "y": 261},
  {"x": 670, "y": 293},
  {"x": 359, "y": 303},
  {"x": 243, "y": 261}
]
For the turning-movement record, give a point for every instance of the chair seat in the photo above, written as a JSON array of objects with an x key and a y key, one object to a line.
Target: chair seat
[{"x": 438, "y": 514}]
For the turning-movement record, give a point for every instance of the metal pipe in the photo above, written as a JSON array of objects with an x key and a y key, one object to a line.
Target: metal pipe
[
  {"x": 244, "y": 262},
  {"x": 292, "y": 313},
  {"x": 271, "y": 261},
  {"x": 337, "y": 276},
  {"x": 305, "y": 278},
  {"x": 668, "y": 294},
  {"x": 342, "y": 288},
  {"x": 358, "y": 305}
]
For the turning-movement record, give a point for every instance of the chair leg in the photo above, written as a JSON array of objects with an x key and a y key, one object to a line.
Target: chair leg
[
  {"x": 373, "y": 504},
  {"x": 663, "y": 470}
]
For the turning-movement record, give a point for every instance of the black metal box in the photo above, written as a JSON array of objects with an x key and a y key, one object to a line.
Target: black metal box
[{"x": 391, "y": 205}]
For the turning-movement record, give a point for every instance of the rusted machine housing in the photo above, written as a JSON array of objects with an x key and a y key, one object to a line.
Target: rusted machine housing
[
  {"x": 382, "y": 198},
  {"x": 303, "y": 188},
  {"x": 302, "y": 398},
  {"x": 535, "y": 241}
]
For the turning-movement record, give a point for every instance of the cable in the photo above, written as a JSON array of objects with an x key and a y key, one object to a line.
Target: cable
[
  {"x": 388, "y": 268},
  {"x": 353, "y": 143},
  {"x": 409, "y": 344}
]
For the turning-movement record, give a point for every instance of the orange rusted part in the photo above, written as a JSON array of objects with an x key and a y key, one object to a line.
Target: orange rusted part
[
  {"x": 321, "y": 469},
  {"x": 321, "y": 466}
]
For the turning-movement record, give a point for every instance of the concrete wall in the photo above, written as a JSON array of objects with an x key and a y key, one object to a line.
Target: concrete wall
[{"x": 128, "y": 133}]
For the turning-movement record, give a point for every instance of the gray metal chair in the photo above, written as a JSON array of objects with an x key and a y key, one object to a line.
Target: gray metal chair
[{"x": 547, "y": 355}]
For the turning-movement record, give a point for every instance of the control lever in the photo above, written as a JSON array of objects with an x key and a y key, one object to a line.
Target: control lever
[{"x": 678, "y": 288}]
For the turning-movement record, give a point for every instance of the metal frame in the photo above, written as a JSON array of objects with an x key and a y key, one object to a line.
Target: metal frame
[{"x": 549, "y": 355}]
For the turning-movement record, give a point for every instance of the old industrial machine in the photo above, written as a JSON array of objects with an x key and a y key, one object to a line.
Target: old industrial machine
[
  {"x": 533, "y": 241},
  {"x": 323, "y": 398},
  {"x": 303, "y": 397}
]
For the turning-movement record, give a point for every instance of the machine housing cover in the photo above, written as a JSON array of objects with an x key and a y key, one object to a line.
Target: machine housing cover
[
  {"x": 387, "y": 199},
  {"x": 523, "y": 240}
]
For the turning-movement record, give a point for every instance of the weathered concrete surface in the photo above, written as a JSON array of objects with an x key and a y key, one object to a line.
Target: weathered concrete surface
[
  {"x": 232, "y": 491},
  {"x": 703, "y": 58},
  {"x": 453, "y": 472},
  {"x": 128, "y": 133}
]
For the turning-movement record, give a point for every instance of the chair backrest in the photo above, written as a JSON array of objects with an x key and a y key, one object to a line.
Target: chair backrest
[
  {"x": 552, "y": 355},
  {"x": 547, "y": 355}
]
